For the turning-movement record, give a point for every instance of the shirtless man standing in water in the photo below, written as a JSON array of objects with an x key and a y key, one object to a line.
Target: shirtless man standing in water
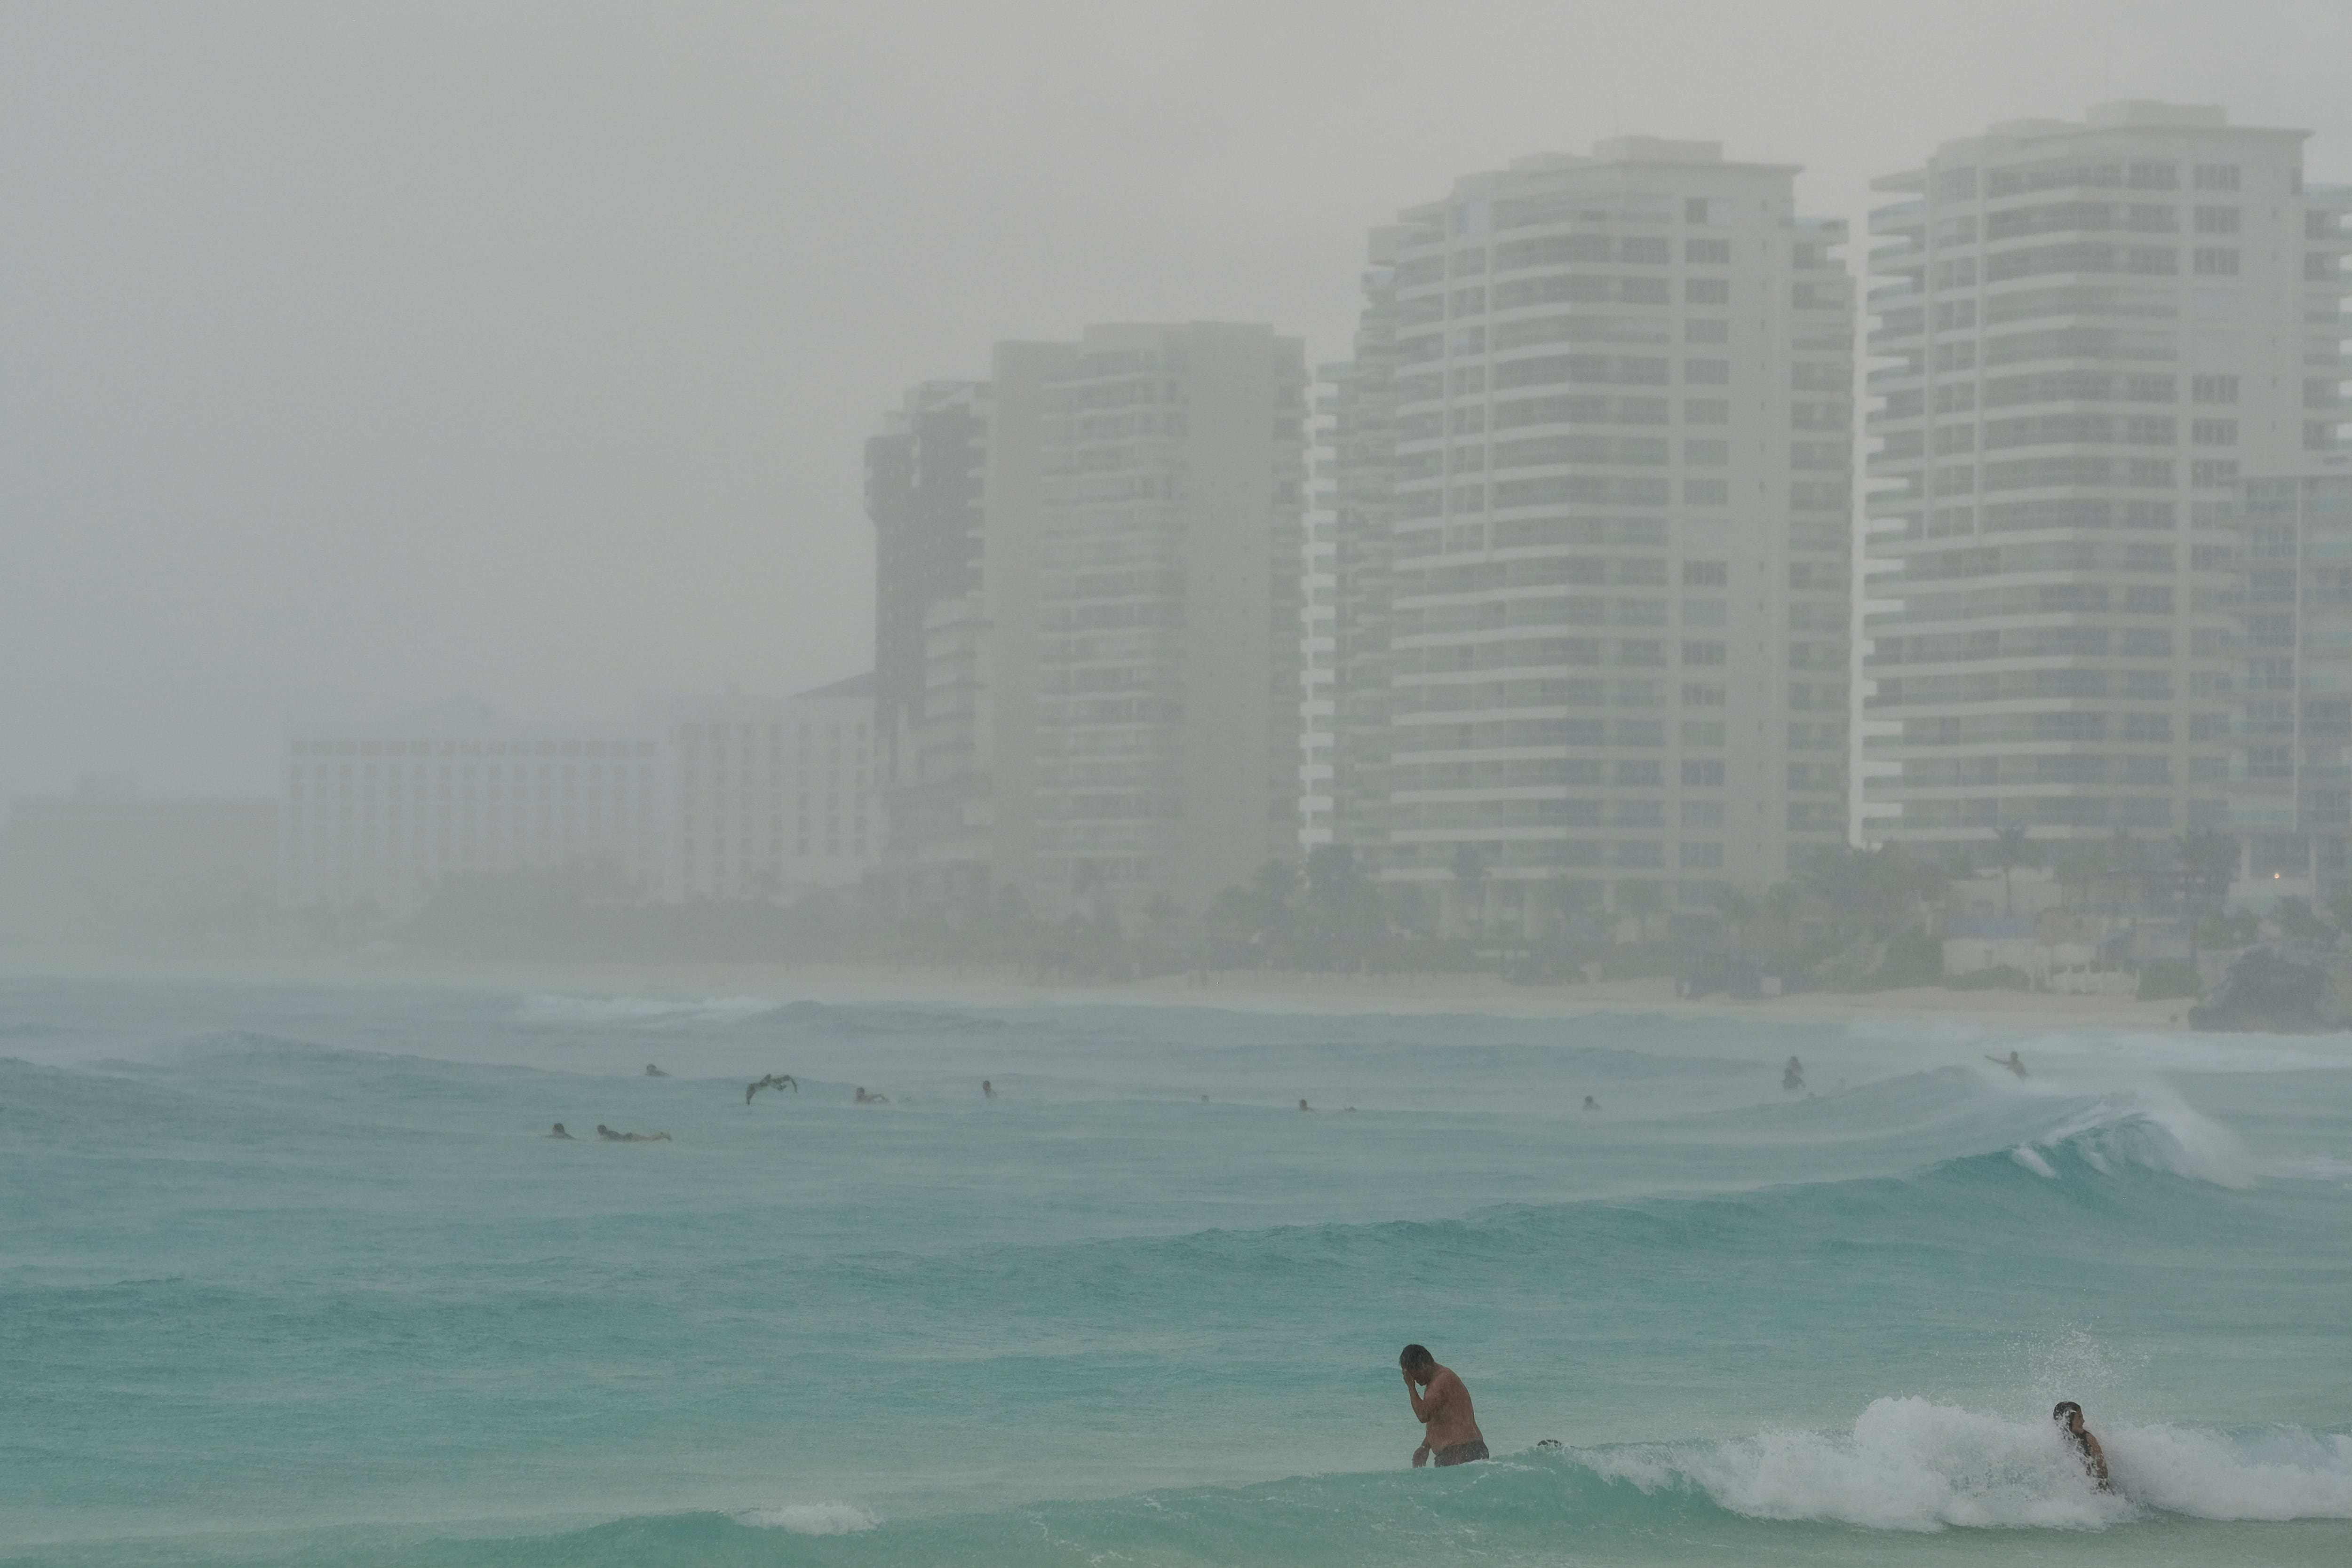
[{"x": 1442, "y": 1406}]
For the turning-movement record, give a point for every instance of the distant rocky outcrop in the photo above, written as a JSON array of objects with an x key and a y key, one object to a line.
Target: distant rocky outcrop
[{"x": 2270, "y": 991}]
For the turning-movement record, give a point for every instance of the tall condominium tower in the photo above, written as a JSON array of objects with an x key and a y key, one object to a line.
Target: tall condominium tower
[
  {"x": 926, "y": 492},
  {"x": 2094, "y": 328},
  {"x": 1594, "y": 554},
  {"x": 1154, "y": 480},
  {"x": 1317, "y": 561},
  {"x": 2290, "y": 788},
  {"x": 1356, "y": 442}
]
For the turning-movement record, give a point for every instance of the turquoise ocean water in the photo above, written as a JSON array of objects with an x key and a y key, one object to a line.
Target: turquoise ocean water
[{"x": 289, "y": 1276}]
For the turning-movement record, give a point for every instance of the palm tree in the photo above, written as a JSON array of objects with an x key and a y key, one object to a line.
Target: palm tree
[
  {"x": 2124, "y": 865},
  {"x": 1469, "y": 869},
  {"x": 1641, "y": 900},
  {"x": 2078, "y": 867},
  {"x": 2208, "y": 859},
  {"x": 1739, "y": 911},
  {"x": 2011, "y": 847}
]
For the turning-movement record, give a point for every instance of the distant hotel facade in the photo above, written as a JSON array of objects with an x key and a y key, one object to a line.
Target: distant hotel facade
[
  {"x": 725, "y": 798},
  {"x": 2096, "y": 329},
  {"x": 1591, "y": 483}
]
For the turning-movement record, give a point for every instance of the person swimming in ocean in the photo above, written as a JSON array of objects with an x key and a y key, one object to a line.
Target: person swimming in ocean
[
  {"x": 772, "y": 1081},
  {"x": 2069, "y": 1415},
  {"x": 1450, "y": 1434},
  {"x": 611, "y": 1136},
  {"x": 1591, "y": 1103},
  {"x": 1793, "y": 1077},
  {"x": 987, "y": 1090},
  {"x": 1305, "y": 1106},
  {"x": 2013, "y": 1062},
  {"x": 560, "y": 1132},
  {"x": 866, "y": 1099},
  {"x": 653, "y": 1071}
]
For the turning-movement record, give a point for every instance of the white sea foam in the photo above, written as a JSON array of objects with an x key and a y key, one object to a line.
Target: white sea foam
[
  {"x": 810, "y": 1518},
  {"x": 2280, "y": 1472},
  {"x": 2030, "y": 1158},
  {"x": 2113, "y": 1051},
  {"x": 1912, "y": 1464},
  {"x": 562, "y": 1010},
  {"x": 2306, "y": 1167},
  {"x": 1907, "y": 1464},
  {"x": 2150, "y": 1124}
]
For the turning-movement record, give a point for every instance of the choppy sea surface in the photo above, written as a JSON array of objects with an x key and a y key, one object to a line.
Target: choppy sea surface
[{"x": 292, "y": 1276}]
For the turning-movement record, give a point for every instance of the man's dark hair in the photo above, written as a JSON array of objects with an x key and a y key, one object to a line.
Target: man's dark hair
[
  {"x": 2065, "y": 1408},
  {"x": 1415, "y": 1355}
]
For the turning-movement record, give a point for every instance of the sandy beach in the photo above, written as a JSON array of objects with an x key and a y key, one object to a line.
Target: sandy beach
[{"x": 1246, "y": 990}]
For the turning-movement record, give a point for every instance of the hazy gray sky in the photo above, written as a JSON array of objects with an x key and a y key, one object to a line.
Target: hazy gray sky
[{"x": 351, "y": 357}]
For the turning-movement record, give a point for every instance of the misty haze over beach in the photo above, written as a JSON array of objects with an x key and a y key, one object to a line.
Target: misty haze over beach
[{"x": 860, "y": 785}]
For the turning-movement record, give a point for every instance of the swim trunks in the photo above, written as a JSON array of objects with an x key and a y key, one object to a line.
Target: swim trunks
[{"x": 1459, "y": 1453}]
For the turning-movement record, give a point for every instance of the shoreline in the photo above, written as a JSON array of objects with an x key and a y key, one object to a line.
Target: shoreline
[{"x": 1232, "y": 990}]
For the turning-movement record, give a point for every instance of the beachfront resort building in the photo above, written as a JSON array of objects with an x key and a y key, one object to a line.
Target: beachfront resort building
[
  {"x": 724, "y": 798},
  {"x": 2086, "y": 332},
  {"x": 1593, "y": 518}
]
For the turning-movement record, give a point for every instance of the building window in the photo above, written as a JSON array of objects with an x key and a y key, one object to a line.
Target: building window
[{"x": 2216, "y": 262}]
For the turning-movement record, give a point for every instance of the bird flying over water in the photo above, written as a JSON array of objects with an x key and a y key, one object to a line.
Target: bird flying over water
[{"x": 772, "y": 1081}]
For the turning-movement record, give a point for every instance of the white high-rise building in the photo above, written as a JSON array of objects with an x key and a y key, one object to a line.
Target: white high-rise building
[
  {"x": 1318, "y": 646},
  {"x": 926, "y": 485},
  {"x": 2289, "y": 789},
  {"x": 2093, "y": 328},
  {"x": 1149, "y": 481},
  {"x": 1593, "y": 553}
]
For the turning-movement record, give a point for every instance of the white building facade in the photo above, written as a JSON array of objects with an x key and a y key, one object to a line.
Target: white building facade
[
  {"x": 2091, "y": 331},
  {"x": 1594, "y": 542},
  {"x": 1164, "y": 531},
  {"x": 766, "y": 798},
  {"x": 725, "y": 798}
]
